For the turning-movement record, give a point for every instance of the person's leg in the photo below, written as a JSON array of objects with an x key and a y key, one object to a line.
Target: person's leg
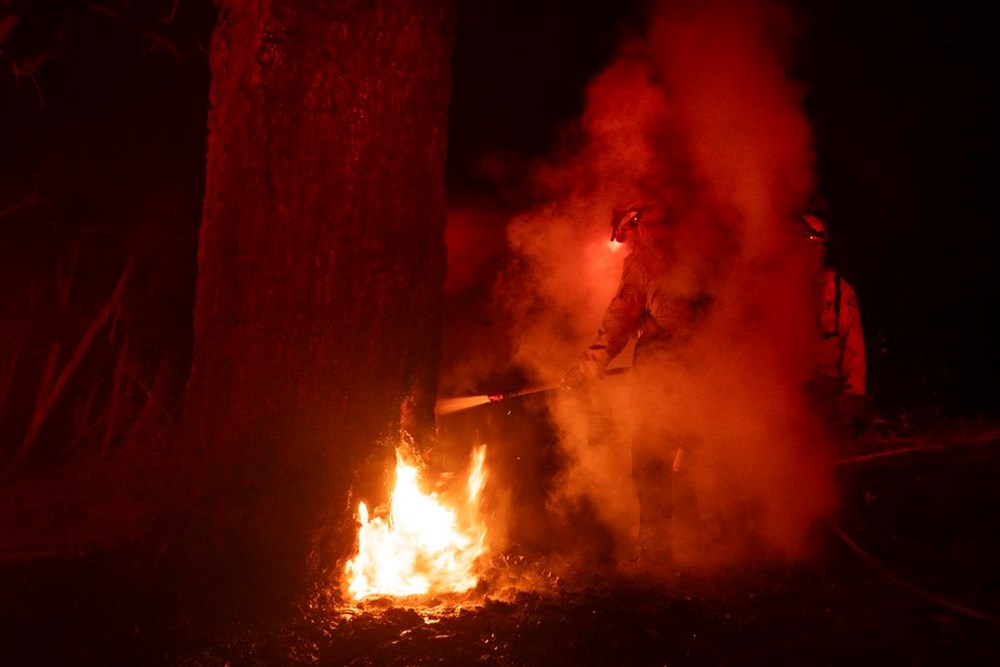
[{"x": 652, "y": 475}]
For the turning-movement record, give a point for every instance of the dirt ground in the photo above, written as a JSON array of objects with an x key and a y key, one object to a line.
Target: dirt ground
[{"x": 906, "y": 575}]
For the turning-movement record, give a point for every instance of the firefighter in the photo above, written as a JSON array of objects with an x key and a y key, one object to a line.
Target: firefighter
[
  {"x": 663, "y": 312},
  {"x": 838, "y": 386}
]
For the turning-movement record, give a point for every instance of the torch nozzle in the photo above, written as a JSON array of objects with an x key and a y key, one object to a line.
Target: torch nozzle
[{"x": 447, "y": 405}]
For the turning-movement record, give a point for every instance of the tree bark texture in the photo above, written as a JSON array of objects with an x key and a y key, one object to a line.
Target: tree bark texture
[{"x": 321, "y": 257}]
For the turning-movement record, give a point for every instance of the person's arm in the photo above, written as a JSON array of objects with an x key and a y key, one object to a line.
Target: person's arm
[
  {"x": 852, "y": 404},
  {"x": 621, "y": 320},
  {"x": 852, "y": 362}
]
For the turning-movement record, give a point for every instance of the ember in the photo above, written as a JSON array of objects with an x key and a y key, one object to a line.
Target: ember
[{"x": 421, "y": 546}]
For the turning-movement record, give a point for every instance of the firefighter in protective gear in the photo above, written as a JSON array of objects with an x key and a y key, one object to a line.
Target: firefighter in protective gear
[
  {"x": 839, "y": 382},
  {"x": 663, "y": 313},
  {"x": 645, "y": 304}
]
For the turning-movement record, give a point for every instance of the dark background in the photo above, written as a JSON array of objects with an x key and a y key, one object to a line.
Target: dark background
[{"x": 103, "y": 139}]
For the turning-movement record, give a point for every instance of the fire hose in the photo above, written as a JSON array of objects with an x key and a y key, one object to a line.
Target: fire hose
[
  {"x": 909, "y": 586},
  {"x": 885, "y": 571}
]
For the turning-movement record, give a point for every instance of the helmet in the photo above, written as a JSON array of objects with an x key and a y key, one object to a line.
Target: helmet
[
  {"x": 814, "y": 228},
  {"x": 625, "y": 220}
]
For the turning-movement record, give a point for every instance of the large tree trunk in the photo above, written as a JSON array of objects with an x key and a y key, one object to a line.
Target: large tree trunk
[{"x": 321, "y": 263}]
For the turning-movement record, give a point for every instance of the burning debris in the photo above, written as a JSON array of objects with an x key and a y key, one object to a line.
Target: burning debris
[{"x": 419, "y": 545}]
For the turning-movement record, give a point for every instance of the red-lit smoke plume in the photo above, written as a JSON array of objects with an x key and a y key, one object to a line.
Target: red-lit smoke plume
[{"x": 698, "y": 111}]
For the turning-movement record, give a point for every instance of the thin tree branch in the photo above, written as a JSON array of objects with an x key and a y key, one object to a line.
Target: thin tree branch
[
  {"x": 33, "y": 199},
  {"x": 116, "y": 387},
  {"x": 42, "y": 410}
]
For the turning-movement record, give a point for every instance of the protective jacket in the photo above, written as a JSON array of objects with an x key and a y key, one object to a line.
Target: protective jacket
[
  {"x": 655, "y": 301},
  {"x": 841, "y": 355}
]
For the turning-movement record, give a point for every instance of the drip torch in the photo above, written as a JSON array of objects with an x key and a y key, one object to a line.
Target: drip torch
[{"x": 448, "y": 405}]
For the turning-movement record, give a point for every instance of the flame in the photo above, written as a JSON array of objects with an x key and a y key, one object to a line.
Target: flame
[{"x": 420, "y": 548}]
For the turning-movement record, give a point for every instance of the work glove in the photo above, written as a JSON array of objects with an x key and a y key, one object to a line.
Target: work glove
[{"x": 581, "y": 374}]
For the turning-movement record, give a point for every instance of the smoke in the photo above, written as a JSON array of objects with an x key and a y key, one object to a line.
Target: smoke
[{"x": 700, "y": 114}]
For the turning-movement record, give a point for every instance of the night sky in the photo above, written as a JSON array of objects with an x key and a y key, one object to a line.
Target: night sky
[{"x": 109, "y": 130}]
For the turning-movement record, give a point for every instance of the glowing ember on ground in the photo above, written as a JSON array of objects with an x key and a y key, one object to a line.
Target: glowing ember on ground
[{"x": 422, "y": 546}]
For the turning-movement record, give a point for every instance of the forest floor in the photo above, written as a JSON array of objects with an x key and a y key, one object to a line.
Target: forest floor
[{"x": 907, "y": 575}]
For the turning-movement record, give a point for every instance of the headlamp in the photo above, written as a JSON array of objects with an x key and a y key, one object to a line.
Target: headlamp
[
  {"x": 813, "y": 228},
  {"x": 622, "y": 222}
]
